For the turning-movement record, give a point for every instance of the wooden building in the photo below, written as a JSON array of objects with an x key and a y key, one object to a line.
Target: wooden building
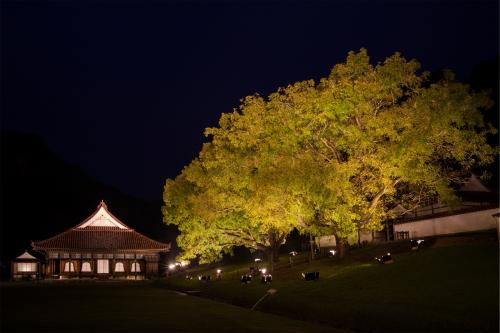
[
  {"x": 101, "y": 247},
  {"x": 26, "y": 267},
  {"x": 475, "y": 214}
]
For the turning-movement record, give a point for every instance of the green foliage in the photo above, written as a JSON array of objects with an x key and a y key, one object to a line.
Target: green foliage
[{"x": 333, "y": 157}]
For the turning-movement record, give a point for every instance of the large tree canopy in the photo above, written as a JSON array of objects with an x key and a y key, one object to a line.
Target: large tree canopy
[{"x": 337, "y": 155}]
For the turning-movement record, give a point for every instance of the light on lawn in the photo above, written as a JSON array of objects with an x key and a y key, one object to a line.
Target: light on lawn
[
  {"x": 219, "y": 271},
  {"x": 263, "y": 270},
  {"x": 293, "y": 253},
  {"x": 171, "y": 266},
  {"x": 415, "y": 244},
  {"x": 332, "y": 252},
  {"x": 385, "y": 259},
  {"x": 258, "y": 260}
]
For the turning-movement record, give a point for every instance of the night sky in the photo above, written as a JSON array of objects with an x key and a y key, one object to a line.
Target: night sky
[{"x": 125, "y": 89}]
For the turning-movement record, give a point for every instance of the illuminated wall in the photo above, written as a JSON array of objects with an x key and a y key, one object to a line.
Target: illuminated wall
[{"x": 468, "y": 222}]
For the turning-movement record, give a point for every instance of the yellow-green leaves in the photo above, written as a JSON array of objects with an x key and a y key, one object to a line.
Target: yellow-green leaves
[{"x": 334, "y": 157}]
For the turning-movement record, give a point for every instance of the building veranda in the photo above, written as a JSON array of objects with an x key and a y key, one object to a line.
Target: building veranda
[{"x": 100, "y": 247}]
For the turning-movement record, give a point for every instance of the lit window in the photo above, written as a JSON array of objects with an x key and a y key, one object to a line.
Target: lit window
[
  {"x": 136, "y": 267},
  {"x": 26, "y": 267},
  {"x": 69, "y": 267},
  {"x": 86, "y": 267},
  {"x": 103, "y": 266},
  {"x": 119, "y": 267}
]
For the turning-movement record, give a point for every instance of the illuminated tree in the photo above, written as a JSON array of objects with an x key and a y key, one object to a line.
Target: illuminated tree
[
  {"x": 336, "y": 156},
  {"x": 219, "y": 202}
]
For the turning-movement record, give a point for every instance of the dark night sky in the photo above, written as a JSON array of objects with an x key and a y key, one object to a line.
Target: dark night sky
[{"x": 125, "y": 89}]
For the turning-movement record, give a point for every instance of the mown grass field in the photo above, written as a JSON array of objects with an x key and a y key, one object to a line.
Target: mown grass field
[
  {"x": 449, "y": 287},
  {"x": 128, "y": 307}
]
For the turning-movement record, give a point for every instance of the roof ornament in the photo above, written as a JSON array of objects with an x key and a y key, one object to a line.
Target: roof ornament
[{"x": 102, "y": 204}]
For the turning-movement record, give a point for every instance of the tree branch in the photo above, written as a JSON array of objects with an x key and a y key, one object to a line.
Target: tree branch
[{"x": 332, "y": 149}]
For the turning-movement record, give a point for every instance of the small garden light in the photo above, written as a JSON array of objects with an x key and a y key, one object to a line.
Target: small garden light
[
  {"x": 266, "y": 278},
  {"x": 310, "y": 276},
  {"x": 246, "y": 279},
  {"x": 385, "y": 259},
  {"x": 416, "y": 244}
]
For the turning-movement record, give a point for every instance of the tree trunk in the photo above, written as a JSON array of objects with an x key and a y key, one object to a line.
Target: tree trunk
[
  {"x": 273, "y": 249},
  {"x": 342, "y": 246},
  {"x": 311, "y": 247},
  {"x": 270, "y": 260},
  {"x": 272, "y": 257}
]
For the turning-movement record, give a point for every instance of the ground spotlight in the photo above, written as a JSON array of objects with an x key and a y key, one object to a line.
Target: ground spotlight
[
  {"x": 385, "y": 259},
  {"x": 246, "y": 278},
  {"x": 310, "y": 276},
  {"x": 415, "y": 244}
]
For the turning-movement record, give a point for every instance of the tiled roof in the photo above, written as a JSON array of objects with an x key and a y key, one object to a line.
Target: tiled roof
[
  {"x": 100, "y": 238},
  {"x": 110, "y": 238},
  {"x": 26, "y": 256}
]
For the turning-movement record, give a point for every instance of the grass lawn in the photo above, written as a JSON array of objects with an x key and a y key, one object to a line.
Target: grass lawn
[
  {"x": 438, "y": 288},
  {"x": 128, "y": 307}
]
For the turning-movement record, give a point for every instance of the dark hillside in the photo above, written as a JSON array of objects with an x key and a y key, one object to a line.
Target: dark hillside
[{"x": 42, "y": 195}]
